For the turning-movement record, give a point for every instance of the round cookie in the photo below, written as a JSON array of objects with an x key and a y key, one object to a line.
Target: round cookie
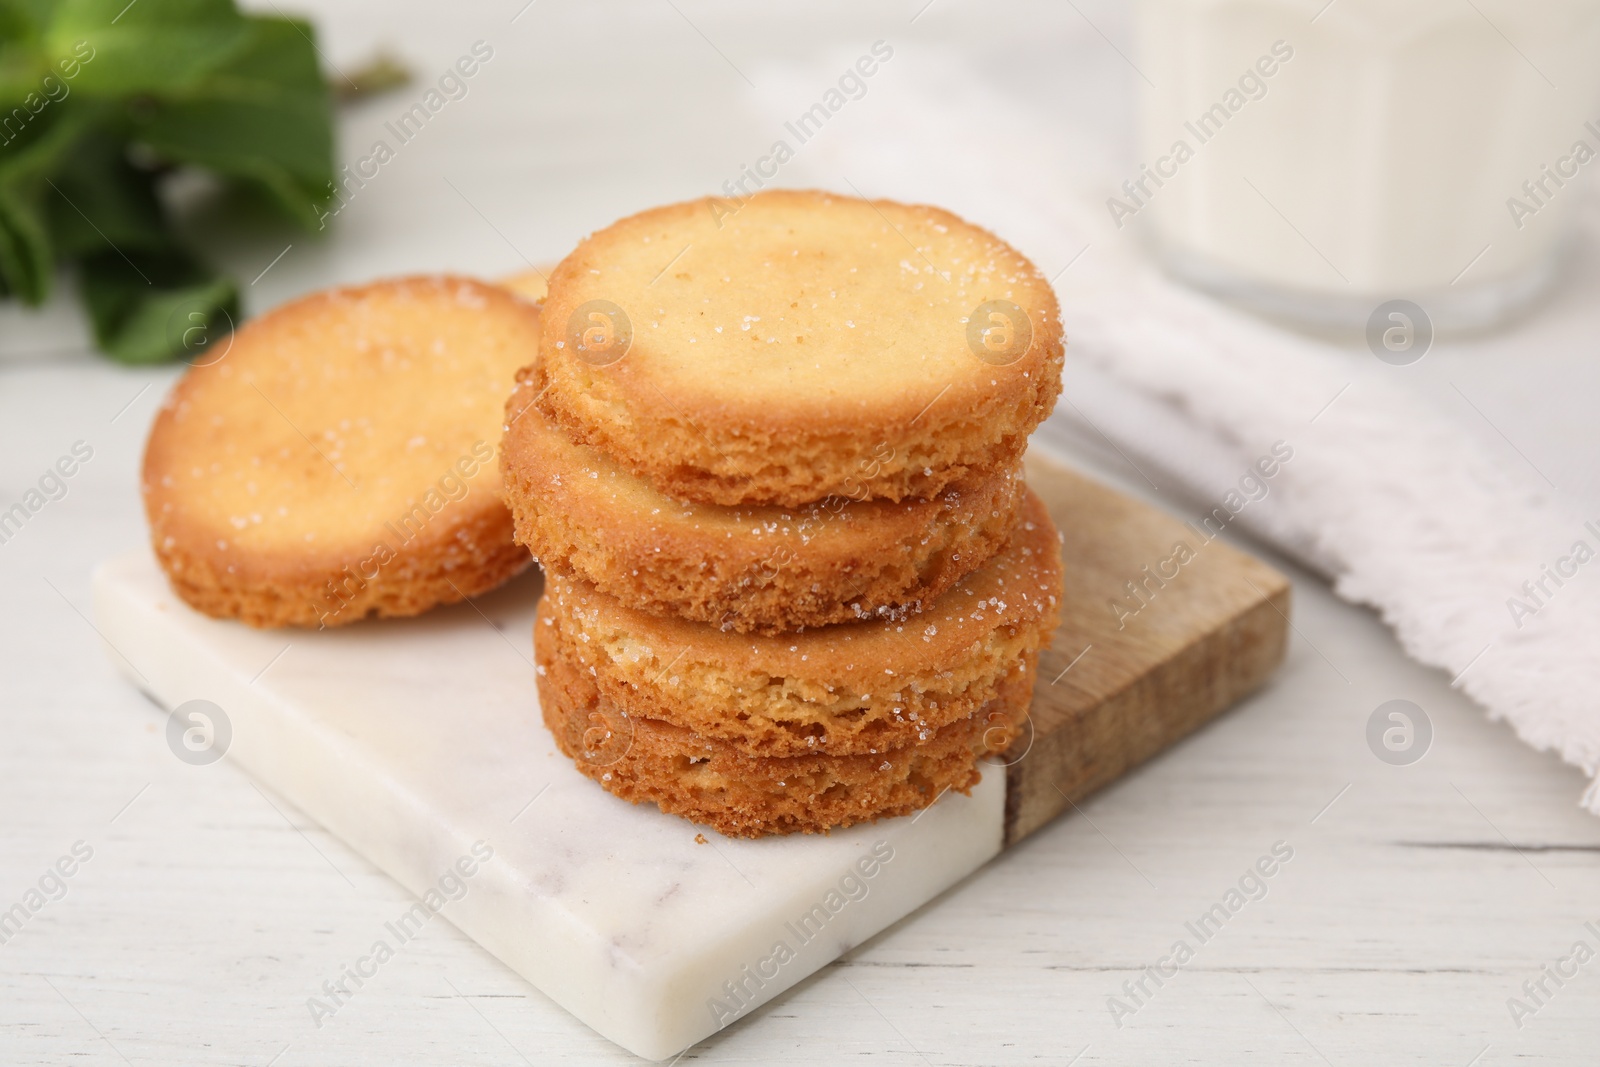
[
  {"x": 756, "y": 568},
  {"x": 336, "y": 458},
  {"x": 852, "y": 689},
  {"x": 715, "y": 784},
  {"x": 799, "y": 346}
]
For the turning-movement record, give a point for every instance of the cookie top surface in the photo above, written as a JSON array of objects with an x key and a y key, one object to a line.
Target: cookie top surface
[
  {"x": 323, "y": 424},
  {"x": 800, "y": 319}
]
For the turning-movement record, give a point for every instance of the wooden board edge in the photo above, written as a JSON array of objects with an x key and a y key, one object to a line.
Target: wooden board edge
[{"x": 1160, "y": 708}]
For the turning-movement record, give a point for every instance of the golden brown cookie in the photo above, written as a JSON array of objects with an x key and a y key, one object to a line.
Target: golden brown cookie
[
  {"x": 335, "y": 458},
  {"x": 715, "y": 784},
  {"x": 802, "y": 346},
  {"x": 757, "y": 568},
  {"x": 851, "y": 689}
]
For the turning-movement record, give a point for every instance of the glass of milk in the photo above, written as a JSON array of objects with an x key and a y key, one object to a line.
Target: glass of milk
[{"x": 1316, "y": 159}]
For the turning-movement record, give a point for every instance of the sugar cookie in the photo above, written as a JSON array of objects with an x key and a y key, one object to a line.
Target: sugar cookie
[
  {"x": 335, "y": 458},
  {"x": 851, "y": 689},
  {"x": 712, "y": 783},
  {"x": 802, "y": 346},
  {"x": 756, "y": 568}
]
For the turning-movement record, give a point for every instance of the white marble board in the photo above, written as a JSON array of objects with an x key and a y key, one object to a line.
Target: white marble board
[{"x": 419, "y": 743}]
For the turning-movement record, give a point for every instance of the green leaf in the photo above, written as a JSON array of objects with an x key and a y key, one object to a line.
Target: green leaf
[
  {"x": 148, "y": 46},
  {"x": 152, "y": 307},
  {"x": 149, "y": 299},
  {"x": 97, "y": 98},
  {"x": 266, "y": 120},
  {"x": 102, "y": 199},
  {"x": 28, "y": 78},
  {"x": 27, "y": 259},
  {"x": 25, "y": 21},
  {"x": 20, "y": 60}
]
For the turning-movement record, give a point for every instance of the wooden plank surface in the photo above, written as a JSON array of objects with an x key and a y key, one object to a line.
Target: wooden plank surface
[{"x": 1161, "y": 631}]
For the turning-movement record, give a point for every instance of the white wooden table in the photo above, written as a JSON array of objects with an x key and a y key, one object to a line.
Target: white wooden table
[{"x": 1418, "y": 899}]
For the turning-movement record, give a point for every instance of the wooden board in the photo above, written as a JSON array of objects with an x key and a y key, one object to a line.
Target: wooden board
[{"x": 1127, "y": 675}]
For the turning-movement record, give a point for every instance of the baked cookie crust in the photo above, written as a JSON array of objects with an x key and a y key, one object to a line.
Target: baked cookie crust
[
  {"x": 804, "y": 346},
  {"x": 335, "y": 458},
  {"x": 711, "y": 783},
  {"x": 852, "y": 689},
  {"x": 761, "y": 569}
]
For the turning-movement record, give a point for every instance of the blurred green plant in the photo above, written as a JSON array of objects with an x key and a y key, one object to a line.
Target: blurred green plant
[{"x": 101, "y": 98}]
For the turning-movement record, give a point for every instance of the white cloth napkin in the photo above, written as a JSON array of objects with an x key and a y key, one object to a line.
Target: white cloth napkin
[{"x": 1387, "y": 497}]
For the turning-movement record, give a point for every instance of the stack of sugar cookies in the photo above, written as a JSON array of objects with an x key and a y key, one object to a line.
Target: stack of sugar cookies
[{"x": 770, "y": 463}]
